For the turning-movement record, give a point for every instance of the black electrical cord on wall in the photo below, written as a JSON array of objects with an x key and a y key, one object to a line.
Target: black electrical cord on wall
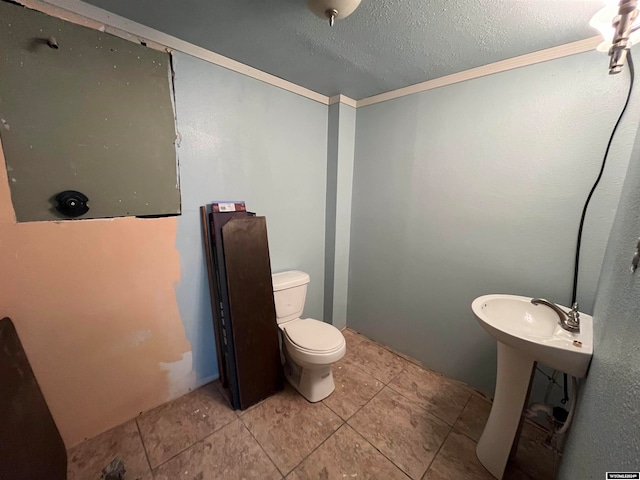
[
  {"x": 576, "y": 266},
  {"x": 595, "y": 185}
]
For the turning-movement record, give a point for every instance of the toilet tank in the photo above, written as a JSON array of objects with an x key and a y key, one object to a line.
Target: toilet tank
[{"x": 289, "y": 293}]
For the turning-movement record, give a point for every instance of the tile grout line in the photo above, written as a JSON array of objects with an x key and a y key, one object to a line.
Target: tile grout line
[
  {"x": 376, "y": 394},
  {"x": 242, "y": 421},
  {"x": 365, "y": 403},
  {"x": 437, "y": 453},
  {"x": 378, "y": 450},
  {"x": 365, "y": 438},
  {"x": 320, "y": 444},
  {"x": 429, "y": 413},
  {"x": 376, "y": 379},
  {"x": 464, "y": 434},
  {"x": 453, "y": 429},
  {"x": 340, "y": 416},
  {"x": 369, "y": 374},
  {"x": 193, "y": 443},
  {"x": 197, "y": 441},
  {"x": 262, "y": 448},
  {"x": 384, "y": 385},
  {"x": 415, "y": 363},
  {"x": 458, "y": 418},
  {"x": 407, "y": 363},
  {"x": 345, "y": 422},
  {"x": 460, "y": 413},
  {"x": 425, "y": 408},
  {"x": 306, "y": 456},
  {"x": 384, "y": 455},
  {"x": 364, "y": 341},
  {"x": 144, "y": 447}
]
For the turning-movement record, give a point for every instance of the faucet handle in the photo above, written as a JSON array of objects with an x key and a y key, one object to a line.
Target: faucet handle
[{"x": 574, "y": 313}]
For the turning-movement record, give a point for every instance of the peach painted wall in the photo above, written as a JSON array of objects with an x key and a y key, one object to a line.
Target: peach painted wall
[{"x": 94, "y": 304}]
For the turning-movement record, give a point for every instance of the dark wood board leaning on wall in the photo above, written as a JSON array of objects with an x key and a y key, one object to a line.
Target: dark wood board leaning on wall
[
  {"x": 223, "y": 368},
  {"x": 221, "y": 315},
  {"x": 244, "y": 318},
  {"x": 252, "y": 309},
  {"x": 30, "y": 445}
]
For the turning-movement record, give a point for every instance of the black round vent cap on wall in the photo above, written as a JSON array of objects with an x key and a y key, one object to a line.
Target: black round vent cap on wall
[{"x": 71, "y": 203}]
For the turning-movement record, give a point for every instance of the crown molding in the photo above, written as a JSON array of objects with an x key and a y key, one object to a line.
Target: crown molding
[
  {"x": 540, "y": 56},
  {"x": 91, "y": 16},
  {"x": 343, "y": 99}
]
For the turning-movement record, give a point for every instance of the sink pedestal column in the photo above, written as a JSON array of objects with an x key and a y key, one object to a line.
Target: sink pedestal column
[{"x": 515, "y": 370}]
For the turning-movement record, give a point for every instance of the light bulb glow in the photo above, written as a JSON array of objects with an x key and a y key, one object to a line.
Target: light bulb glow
[{"x": 603, "y": 21}]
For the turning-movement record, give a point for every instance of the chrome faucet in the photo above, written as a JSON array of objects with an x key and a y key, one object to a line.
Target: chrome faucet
[{"x": 570, "y": 321}]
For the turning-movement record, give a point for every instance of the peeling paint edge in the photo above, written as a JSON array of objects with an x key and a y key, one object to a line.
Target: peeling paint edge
[
  {"x": 181, "y": 376},
  {"x": 91, "y": 16}
]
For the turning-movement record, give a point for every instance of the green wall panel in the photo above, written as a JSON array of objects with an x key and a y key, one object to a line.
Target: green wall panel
[{"x": 94, "y": 115}]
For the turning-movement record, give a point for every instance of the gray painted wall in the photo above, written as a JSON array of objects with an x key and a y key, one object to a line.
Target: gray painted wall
[
  {"x": 604, "y": 436},
  {"x": 242, "y": 139},
  {"x": 340, "y": 156},
  {"x": 477, "y": 188}
]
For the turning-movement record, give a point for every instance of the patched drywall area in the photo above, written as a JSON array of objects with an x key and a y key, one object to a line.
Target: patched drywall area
[
  {"x": 94, "y": 306},
  {"x": 85, "y": 111},
  {"x": 115, "y": 314},
  {"x": 242, "y": 139},
  {"x": 604, "y": 436},
  {"x": 477, "y": 188}
]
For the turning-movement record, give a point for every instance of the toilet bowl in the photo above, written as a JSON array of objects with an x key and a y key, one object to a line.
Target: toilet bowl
[{"x": 309, "y": 347}]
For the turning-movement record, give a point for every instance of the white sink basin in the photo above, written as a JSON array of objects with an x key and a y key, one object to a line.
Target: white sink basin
[
  {"x": 526, "y": 334},
  {"x": 535, "y": 330}
]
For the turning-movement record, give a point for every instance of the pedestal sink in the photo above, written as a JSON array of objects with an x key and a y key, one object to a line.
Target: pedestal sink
[{"x": 526, "y": 334}]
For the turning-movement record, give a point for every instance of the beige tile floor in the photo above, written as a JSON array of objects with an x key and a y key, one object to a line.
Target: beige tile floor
[{"x": 387, "y": 419}]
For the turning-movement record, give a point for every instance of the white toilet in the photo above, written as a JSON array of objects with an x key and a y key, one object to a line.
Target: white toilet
[{"x": 309, "y": 346}]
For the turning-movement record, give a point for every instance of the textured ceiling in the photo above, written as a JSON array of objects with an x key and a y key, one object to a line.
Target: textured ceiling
[{"x": 384, "y": 45}]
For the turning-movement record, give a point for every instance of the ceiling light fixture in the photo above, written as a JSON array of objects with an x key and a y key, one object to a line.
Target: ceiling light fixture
[
  {"x": 619, "y": 25},
  {"x": 333, "y": 10}
]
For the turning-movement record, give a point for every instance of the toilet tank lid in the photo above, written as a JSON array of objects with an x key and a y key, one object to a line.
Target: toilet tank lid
[{"x": 290, "y": 279}]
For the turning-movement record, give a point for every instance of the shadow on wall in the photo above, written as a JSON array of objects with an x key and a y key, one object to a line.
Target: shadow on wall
[
  {"x": 477, "y": 188},
  {"x": 194, "y": 299},
  {"x": 604, "y": 436}
]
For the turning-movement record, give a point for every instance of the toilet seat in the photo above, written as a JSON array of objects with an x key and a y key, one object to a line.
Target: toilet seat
[
  {"x": 313, "y": 335},
  {"x": 313, "y": 342}
]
